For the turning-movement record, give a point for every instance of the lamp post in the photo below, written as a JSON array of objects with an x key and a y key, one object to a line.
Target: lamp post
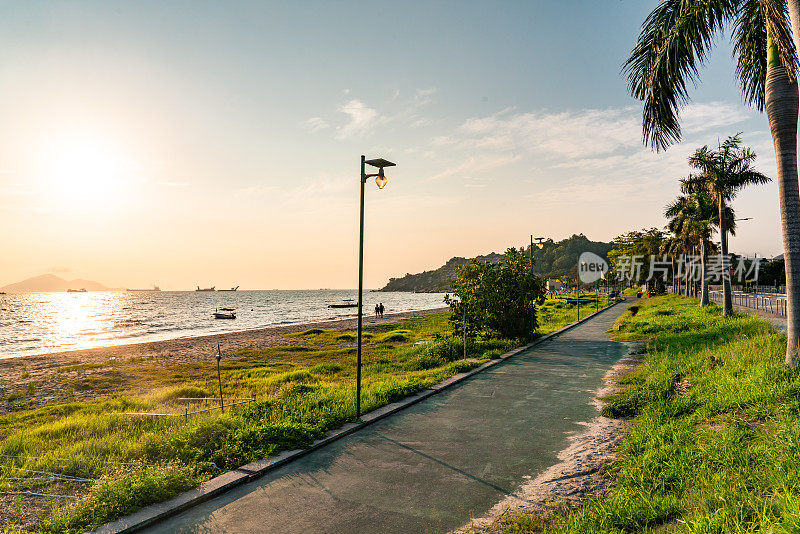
[
  {"x": 539, "y": 244},
  {"x": 380, "y": 181}
]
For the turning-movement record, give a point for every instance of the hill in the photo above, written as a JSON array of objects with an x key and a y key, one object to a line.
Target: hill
[
  {"x": 51, "y": 282},
  {"x": 553, "y": 260}
]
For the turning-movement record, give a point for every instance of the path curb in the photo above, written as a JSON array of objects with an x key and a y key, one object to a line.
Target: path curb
[{"x": 155, "y": 513}]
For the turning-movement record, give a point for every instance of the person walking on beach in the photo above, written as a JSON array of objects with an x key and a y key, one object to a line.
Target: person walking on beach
[
  {"x": 377, "y": 311},
  {"x": 381, "y": 308}
]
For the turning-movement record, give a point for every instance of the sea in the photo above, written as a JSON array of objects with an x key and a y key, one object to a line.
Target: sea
[{"x": 42, "y": 323}]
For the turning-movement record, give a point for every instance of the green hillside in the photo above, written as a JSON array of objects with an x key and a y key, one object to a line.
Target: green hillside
[{"x": 553, "y": 260}]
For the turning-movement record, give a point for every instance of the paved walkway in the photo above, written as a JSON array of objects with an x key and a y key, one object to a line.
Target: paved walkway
[{"x": 436, "y": 464}]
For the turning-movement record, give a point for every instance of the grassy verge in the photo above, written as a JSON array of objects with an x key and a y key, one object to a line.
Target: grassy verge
[
  {"x": 304, "y": 389},
  {"x": 715, "y": 441},
  {"x": 556, "y": 313}
]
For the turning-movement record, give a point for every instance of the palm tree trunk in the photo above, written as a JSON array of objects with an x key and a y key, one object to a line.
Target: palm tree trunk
[
  {"x": 672, "y": 262},
  {"x": 686, "y": 277},
  {"x": 781, "y": 103},
  {"x": 727, "y": 297},
  {"x": 704, "y": 280}
]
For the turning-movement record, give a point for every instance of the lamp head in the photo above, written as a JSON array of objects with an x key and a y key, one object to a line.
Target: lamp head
[
  {"x": 380, "y": 180},
  {"x": 380, "y": 163}
]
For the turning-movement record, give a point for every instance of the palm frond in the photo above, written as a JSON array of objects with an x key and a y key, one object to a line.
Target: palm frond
[
  {"x": 750, "y": 51},
  {"x": 674, "y": 41}
]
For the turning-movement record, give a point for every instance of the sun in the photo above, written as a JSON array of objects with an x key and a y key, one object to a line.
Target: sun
[{"x": 82, "y": 170}]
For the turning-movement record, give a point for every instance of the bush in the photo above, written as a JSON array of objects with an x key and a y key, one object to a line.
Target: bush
[
  {"x": 111, "y": 499},
  {"x": 498, "y": 299},
  {"x": 493, "y": 354},
  {"x": 423, "y": 362},
  {"x": 395, "y": 336},
  {"x": 450, "y": 349}
]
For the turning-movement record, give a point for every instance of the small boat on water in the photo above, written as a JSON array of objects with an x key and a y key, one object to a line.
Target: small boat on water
[
  {"x": 346, "y": 303},
  {"x": 224, "y": 313},
  {"x": 81, "y": 290},
  {"x": 231, "y": 289},
  {"x": 212, "y": 288}
]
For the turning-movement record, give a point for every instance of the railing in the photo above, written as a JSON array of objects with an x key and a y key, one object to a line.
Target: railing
[
  {"x": 187, "y": 413},
  {"x": 774, "y": 303}
]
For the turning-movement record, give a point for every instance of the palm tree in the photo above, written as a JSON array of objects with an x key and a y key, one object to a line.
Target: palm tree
[
  {"x": 692, "y": 218},
  {"x": 672, "y": 247},
  {"x": 674, "y": 41},
  {"x": 724, "y": 173}
]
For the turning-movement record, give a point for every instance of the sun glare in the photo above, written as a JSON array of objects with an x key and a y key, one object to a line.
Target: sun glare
[{"x": 82, "y": 171}]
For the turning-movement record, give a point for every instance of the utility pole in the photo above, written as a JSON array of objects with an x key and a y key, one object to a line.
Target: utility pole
[{"x": 533, "y": 311}]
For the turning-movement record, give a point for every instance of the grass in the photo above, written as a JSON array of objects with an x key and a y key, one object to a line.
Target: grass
[
  {"x": 715, "y": 440},
  {"x": 556, "y": 313},
  {"x": 303, "y": 389}
]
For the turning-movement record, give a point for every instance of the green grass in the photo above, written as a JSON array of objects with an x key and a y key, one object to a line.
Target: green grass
[
  {"x": 555, "y": 313},
  {"x": 302, "y": 390},
  {"x": 715, "y": 441}
]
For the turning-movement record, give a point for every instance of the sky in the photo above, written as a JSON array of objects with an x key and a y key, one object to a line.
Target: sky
[{"x": 219, "y": 143}]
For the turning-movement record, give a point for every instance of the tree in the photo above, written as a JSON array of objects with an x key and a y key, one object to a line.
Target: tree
[
  {"x": 691, "y": 219},
  {"x": 634, "y": 250},
  {"x": 723, "y": 173},
  {"x": 498, "y": 299},
  {"x": 674, "y": 41}
]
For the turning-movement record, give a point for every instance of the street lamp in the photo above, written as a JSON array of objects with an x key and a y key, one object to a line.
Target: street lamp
[
  {"x": 380, "y": 181},
  {"x": 540, "y": 244}
]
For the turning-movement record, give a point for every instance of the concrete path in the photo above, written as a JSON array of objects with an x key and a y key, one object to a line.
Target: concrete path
[{"x": 436, "y": 464}]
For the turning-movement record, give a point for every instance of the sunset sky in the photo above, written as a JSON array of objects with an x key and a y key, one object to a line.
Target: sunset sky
[{"x": 218, "y": 143}]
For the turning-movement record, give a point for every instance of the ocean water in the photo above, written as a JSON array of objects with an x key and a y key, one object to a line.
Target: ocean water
[{"x": 41, "y": 323}]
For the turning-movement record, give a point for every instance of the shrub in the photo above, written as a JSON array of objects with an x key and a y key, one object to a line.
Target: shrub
[
  {"x": 111, "y": 499},
  {"x": 498, "y": 299},
  {"x": 493, "y": 354},
  {"x": 424, "y": 361},
  {"x": 450, "y": 349},
  {"x": 395, "y": 336}
]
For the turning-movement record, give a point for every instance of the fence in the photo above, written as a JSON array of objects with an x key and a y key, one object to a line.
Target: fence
[
  {"x": 187, "y": 413},
  {"x": 772, "y": 303}
]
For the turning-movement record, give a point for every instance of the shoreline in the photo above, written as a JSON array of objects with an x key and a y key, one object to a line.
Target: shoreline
[
  {"x": 579, "y": 473},
  {"x": 45, "y": 373},
  {"x": 264, "y": 329}
]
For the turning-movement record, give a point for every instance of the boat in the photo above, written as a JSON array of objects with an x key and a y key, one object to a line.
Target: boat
[
  {"x": 155, "y": 288},
  {"x": 346, "y": 303},
  {"x": 231, "y": 289},
  {"x": 212, "y": 288},
  {"x": 81, "y": 290},
  {"x": 224, "y": 313}
]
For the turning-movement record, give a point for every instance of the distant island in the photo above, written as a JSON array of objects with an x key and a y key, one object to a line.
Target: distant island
[
  {"x": 554, "y": 260},
  {"x": 51, "y": 282}
]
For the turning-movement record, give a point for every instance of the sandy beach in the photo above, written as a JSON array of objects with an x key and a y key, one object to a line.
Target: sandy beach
[{"x": 45, "y": 378}]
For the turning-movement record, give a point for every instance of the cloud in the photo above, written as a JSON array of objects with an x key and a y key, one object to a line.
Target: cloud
[
  {"x": 315, "y": 124},
  {"x": 696, "y": 118},
  {"x": 173, "y": 184},
  {"x": 590, "y": 142},
  {"x": 361, "y": 119}
]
